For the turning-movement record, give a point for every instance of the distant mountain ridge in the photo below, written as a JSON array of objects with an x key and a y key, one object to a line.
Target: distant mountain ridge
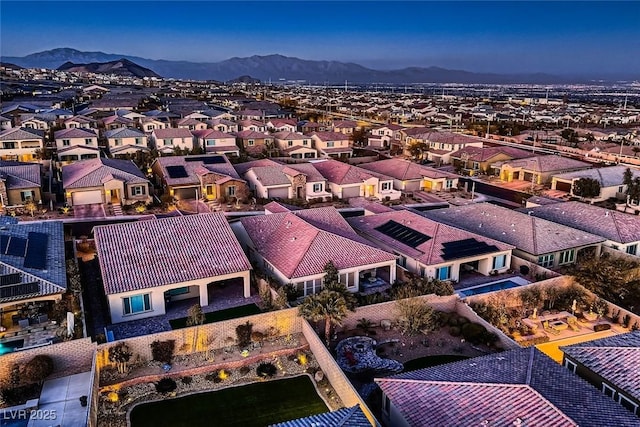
[
  {"x": 276, "y": 67},
  {"x": 120, "y": 67}
]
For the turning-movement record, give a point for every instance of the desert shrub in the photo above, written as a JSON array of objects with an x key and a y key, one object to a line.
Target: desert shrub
[
  {"x": 601, "y": 327},
  {"x": 38, "y": 368},
  {"x": 534, "y": 341},
  {"x": 462, "y": 320},
  {"x": 120, "y": 354},
  {"x": 442, "y": 318},
  {"x": 453, "y": 320},
  {"x": 186, "y": 380},
  {"x": 166, "y": 385},
  {"x": 414, "y": 316},
  {"x": 162, "y": 351},
  {"x": 243, "y": 334},
  {"x": 292, "y": 292},
  {"x": 211, "y": 377},
  {"x": 244, "y": 370},
  {"x": 20, "y": 394},
  {"x": 266, "y": 370},
  {"x": 454, "y": 331},
  {"x": 473, "y": 332},
  {"x": 257, "y": 336}
]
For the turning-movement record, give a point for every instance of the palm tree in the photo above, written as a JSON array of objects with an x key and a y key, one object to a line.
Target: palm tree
[{"x": 329, "y": 306}]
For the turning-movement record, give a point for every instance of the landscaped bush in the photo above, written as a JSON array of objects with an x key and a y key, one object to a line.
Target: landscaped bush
[
  {"x": 534, "y": 341},
  {"x": 266, "y": 370},
  {"x": 212, "y": 377},
  {"x": 257, "y": 336},
  {"x": 473, "y": 332},
  {"x": 454, "y": 331},
  {"x": 37, "y": 369},
  {"x": 186, "y": 380},
  {"x": 166, "y": 385},
  {"x": 601, "y": 327},
  {"x": 243, "y": 334},
  {"x": 162, "y": 351},
  {"x": 244, "y": 370},
  {"x": 20, "y": 394}
]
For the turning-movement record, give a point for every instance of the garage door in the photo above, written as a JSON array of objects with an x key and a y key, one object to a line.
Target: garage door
[
  {"x": 563, "y": 186},
  {"x": 349, "y": 192},
  {"x": 86, "y": 197},
  {"x": 281, "y": 193},
  {"x": 184, "y": 193}
]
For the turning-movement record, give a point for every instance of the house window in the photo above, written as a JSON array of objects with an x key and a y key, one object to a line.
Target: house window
[
  {"x": 401, "y": 261},
  {"x": 149, "y": 127},
  {"x": 616, "y": 247},
  {"x": 627, "y": 403},
  {"x": 211, "y": 142},
  {"x": 620, "y": 189},
  {"x": 312, "y": 286},
  {"x": 567, "y": 257},
  {"x": 66, "y": 142},
  {"x": 178, "y": 291},
  {"x": 118, "y": 142},
  {"x": 305, "y": 142},
  {"x": 289, "y": 143},
  {"x": 9, "y": 145},
  {"x": 138, "y": 190},
  {"x": 386, "y": 186},
  {"x": 167, "y": 142},
  {"x": 570, "y": 365},
  {"x": 27, "y": 195},
  {"x": 422, "y": 271},
  {"x": 231, "y": 190},
  {"x": 476, "y": 165},
  {"x": 448, "y": 184},
  {"x": 499, "y": 262},
  {"x": 88, "y": 141},
  {"x": 608, "y": 390},
  {"x": 443, "y": 273},
  {"x": 251, "y": 142},
  {"x": 136, "y": 304},
  {"x": 632, "y": 249},
  {"x": 330, "y": 144},
  {"x": 138, "y": 141},
  {"x": 209, "y": 190},
  {"x": 546, "y": 260},
  {"x": 317, "y": 188}
]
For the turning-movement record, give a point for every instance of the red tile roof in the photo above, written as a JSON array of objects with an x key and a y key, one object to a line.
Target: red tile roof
[
  {"x": 145, "y": 254},
  {"x": 405, "y": 170},
  {"x": 342, "y": 173}
]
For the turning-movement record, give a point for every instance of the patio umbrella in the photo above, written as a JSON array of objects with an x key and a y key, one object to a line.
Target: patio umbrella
[{"x": 70, "y": 323}]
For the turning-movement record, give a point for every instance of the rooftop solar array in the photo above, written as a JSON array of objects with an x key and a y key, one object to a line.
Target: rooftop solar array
[
  {"x": 17, "y": 246},
  {"x": 403, "y": 234},
  {"x": 10, "y": 279},
  {"x": 4, "y": 242},
  {"x": 177, "y": 172},
  {"x": 36, "y": 255},
  {"x": 466, "y": 248},
  {"x": 19, "y": 289},
  {"x": 207, "y": 160}
]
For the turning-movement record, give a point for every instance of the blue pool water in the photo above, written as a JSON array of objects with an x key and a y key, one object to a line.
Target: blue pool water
[
  {"x": 9, "y": 346},
  {"x": 489, "y": 287}
]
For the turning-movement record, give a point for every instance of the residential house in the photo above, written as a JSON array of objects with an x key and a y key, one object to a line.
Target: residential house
[
  {"x": 80, "y": 122},
  {"x": 332, "y": 144},
  {"x": 116, "y": 122},
  {"x": 384, "y": 136},
  {"x": 33, "y": 122},
  {"x": 346, "y": 127},
  {"x": 252, "y": 125},
  {"x": 538, "y": 169},
  {"x": 535, "y": 390},
  {"x": 190, "y": 124},
  {"x": 149, "y": 124},
  {"x": 621, "y": 230},
  {"x": 310, "y": 127},
  {"x": 74, "y": 144},
  {"x": 409, "y": 176},
  {"x": 214, "y": 141},
  {"x": 32, "y": 270},
  {"x": 21, "y": 144},
  {"x": 102, "y": 180},
  {"x": 216, "y": 114},
  {"x": 5, "y": 123},
  {"x": 431, "y": 249},
  {"x": 293, "y": 247},
  {"x": 167, "y": 140},
  {"x": 346, "y": 181},
  {"x": 254, "y": 142},
  {"x": 475, "y": 160},
  {"x": 209, "y": 176},
  {"x": 611, "y": 365},
  {"x": 610, "y": 178},
  {"x": 223, "y": 125},
  {"x": 189, "y": 256},
  {"x": 19, "y": 183},
  {"x": 536, "y": 240},
  {"x": 124, "y": 141},
  {"x": 294, "y": 145},
  {"x": 442, "y": 144},
  {"x": 282, "y": 125}
]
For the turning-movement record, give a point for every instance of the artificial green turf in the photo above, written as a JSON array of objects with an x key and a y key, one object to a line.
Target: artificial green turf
[
  {"x": 217, "y": 316},
  {"x": 254, "y": 405},
  {"x": 428, "y": 361}
]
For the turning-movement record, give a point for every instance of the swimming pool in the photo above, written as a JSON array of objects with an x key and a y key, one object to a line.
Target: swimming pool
[
  {"x": 501, "y": 285},
  {"x": 9, "y": 346}
]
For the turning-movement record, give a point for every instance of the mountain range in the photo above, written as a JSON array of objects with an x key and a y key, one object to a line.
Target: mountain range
[
  {"x": 279, "y": 67},
  {"x": 121, "y": 67}
]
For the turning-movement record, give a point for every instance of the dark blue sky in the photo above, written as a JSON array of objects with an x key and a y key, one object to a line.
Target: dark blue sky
[{"x": 557, "y": 37}]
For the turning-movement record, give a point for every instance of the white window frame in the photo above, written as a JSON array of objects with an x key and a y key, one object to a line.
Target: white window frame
[
  {"x": 127, "y": 308},
  {"x": 631, "y": 403},
  {"x": 88, "y": 141},
  {"x": 167, "y": 142},
  {"x": 438, "y": 275},
  {"x": 251, "y": 142},
  {"x": 330, "y": 144},
  {"x": 609, "y": 391},
  {"x": 118, "y": 142},
  {"x": 289, "y": 143},
  {"x": 546, "y": 260},
  {"x": 138, "y": 190},
  {"x": 632, "y": 249},
  {"x": 570, "y": 365},
  {"x": 231, "y": 190},
  {"x": 138, "y": 141},
  {"x": 66, "y": 142},
  {"x": 317, "y": 188},
  {"x": 448, "y": 184},
  {"x": 503, "y": 264},
  {"x": 567, "y": 257},
  {"x": 386, "y": 186},
  {"x": 211, "y": 142}
]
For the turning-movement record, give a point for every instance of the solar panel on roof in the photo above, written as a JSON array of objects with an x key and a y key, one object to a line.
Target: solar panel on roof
[
  {"x": 177, "y": 172},
  {"x": 36, "y": 255},
  {"x": 17, "y": 246},
  {"x": 4, "y": 242},
  {"x": 466, "y": 248},
  {"x": 10, "y": 279},
  {"x": 19, "y": 290},
  {"x": 207, "y": 160},
  {"x": 402, "y": 233}
]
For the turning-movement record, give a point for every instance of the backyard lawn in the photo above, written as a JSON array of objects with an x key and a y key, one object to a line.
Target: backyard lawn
[
  {"x": 254, "y": 405},
  {"x": 218, "y": 316}
]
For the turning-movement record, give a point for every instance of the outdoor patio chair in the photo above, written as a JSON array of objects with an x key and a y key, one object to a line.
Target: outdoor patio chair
[{"x": 23, "y": 323}]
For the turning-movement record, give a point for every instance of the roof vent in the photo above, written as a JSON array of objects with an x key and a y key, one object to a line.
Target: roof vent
[
  {"x": 293, "y": 239},
  {"x": 606, "y": 213},
  {"x": 288, "y": 224},
  {"x": 480, "y": 225},
  {"x": 530, "y": 213},
  {"x": 518, "y": 422}
]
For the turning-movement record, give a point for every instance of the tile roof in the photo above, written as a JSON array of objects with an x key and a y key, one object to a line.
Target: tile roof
[
  {"x": 251, "y": 134},
  {"x": 285, "y": 136},
  {"x": 213, "y": 134},
  {"x": 308, "y": 170},
  {"x": 80, "y": 119},
  {"x": 53, "y": 279},
  {"x": 406, "y": 170},
  {"x": 368, "y": 205},
  {"x": 172, "y": 133},
  {"x": 344, "y": 417},
  {"x": 549, "y": 163},
  {"x": 275, "y": 207},
  {"x": 175, "y": 250},
  {"x": 124, "y": 133},
  {"x": 20, "y": 175},
  {"x": 330, "y": 136},
  {"x": 539, "y": 391},
  {"x": 243, "y": 168},
  {"x": 611, "y": 176},
  {"x": 613, "y": 225},
  {"x": 92, "y": 172},
  {"x": 194, "y": 168},
  {"x": 18, "y": 134},
  {"x": 482, "y": 154},
  {"x": 533, "y": 235},
  {"x": 271, "y": 175},
  {"x": 75, "y": 133},
  {"x": 429, "y": 252},
  {"x": 616, "y": 359},
  {"x": 343, "y": 174},
  {"x": 300, "y": 243}
]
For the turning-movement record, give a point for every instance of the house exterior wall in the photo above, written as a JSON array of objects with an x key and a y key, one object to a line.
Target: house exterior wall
[
  {"x": 24, "y": 150},
  {"x": 310, "y": 194},
  {"x": 113, "y": 142},
  {"x": 77, "y": 142},
  {"x": 14, "y": 196}
]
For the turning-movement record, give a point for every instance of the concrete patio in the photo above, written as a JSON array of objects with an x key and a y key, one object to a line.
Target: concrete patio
[{"x": 60, "y": 400}]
